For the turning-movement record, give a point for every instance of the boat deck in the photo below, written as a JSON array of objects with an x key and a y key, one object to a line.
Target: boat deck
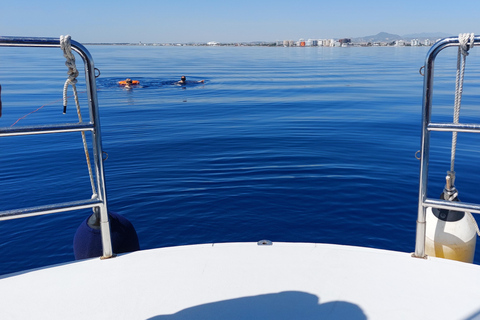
[{"x": 247, "y": 281}]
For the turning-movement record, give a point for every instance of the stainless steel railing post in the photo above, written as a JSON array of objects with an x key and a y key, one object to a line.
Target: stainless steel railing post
[
  {"x": 427, "y": 127},
  {"x": 98, "y": 200}
]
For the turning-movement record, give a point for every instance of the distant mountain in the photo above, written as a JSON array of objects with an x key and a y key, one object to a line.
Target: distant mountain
[
  {"x": 379, "y": 37},
  {"x": 390, "y": 37}
]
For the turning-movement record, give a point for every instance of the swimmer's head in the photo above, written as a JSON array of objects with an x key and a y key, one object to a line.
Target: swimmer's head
[
  {"x": 128, "y": 81},
  {"x": 183, "y": 78}
]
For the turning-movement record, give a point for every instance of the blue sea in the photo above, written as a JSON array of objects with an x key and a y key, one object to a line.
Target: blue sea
[{"x": 285, "y": 144}]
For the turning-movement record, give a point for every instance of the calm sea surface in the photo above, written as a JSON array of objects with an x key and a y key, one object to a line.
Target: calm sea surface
[{"x": 285, "y": 144}]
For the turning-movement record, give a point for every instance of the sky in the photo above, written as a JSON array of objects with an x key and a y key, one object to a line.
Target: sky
[{"x": 160, "y": 21}]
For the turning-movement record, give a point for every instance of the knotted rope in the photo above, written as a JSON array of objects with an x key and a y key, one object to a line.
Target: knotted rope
[
  {"x": 466, "y": 42},
  {"x": 72, "y": 69},
  {"x": 72, "y": 80}
]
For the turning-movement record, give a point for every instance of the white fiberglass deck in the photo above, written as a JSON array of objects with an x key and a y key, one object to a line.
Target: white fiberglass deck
[{"x": 247, "y": 281}]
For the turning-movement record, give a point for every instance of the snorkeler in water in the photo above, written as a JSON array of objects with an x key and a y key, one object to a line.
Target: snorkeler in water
[
  {"x": 183, "y": 80},
  {"x": 128, "y": 83}
]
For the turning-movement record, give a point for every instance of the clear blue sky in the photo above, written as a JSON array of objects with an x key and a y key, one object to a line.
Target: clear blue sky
[{"x": 232, "y": 21}]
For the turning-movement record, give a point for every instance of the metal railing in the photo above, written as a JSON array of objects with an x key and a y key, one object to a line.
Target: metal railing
[
  {"x": 427, "y": 128},
  {"x": 98, "y": 199}
]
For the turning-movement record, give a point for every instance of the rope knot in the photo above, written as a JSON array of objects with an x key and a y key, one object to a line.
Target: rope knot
[
  {"x": 466, "y": 41},
  {"x": 66, "y": 47}
]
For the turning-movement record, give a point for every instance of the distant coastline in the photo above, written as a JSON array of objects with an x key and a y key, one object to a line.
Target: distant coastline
[
  {"x": 262, "y": 44},
  {"x": 380, "y": 39}
]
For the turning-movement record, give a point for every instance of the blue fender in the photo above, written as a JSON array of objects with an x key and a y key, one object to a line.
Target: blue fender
[{"x": 87, "y": 242}]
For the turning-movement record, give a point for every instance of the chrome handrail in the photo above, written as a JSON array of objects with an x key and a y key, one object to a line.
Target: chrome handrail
[
  {"x": 98, "y": 200},
  {"x": 427, "y": 127},
  {"x": 29, "y": 130}
]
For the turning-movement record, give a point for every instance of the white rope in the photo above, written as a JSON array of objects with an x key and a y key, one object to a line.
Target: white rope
[
  {"x": 466, "y": 42},
  {"x": 72, "y": 80},
  {"x": 72, "y": 68}
]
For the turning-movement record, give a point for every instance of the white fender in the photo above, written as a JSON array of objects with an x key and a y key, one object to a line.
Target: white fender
[{"x": 453, "y": 240}]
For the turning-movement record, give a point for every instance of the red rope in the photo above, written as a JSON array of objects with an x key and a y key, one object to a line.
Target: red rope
[{"x": 21, "y": 118}]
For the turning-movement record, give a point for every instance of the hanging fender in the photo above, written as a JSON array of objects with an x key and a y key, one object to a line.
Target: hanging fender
[{"x": 87, "y": 242}]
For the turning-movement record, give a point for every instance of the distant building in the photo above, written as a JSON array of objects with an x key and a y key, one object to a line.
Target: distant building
[
  {"x": 328, "y": 42},
  {"x": 414, "y": 42},
  {"x": 212, "y": 43},
  {"x": 400, "y": 43},
  {"x": 345, "y": 40},
  {"x": 427, "y": 42}
]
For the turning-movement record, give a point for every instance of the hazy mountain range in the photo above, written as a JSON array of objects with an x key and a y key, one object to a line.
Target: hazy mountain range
[{"x": 389, "y": 37}]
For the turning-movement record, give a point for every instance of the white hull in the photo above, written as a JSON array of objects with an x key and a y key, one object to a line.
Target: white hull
[{"x": 247, "y": 281}]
